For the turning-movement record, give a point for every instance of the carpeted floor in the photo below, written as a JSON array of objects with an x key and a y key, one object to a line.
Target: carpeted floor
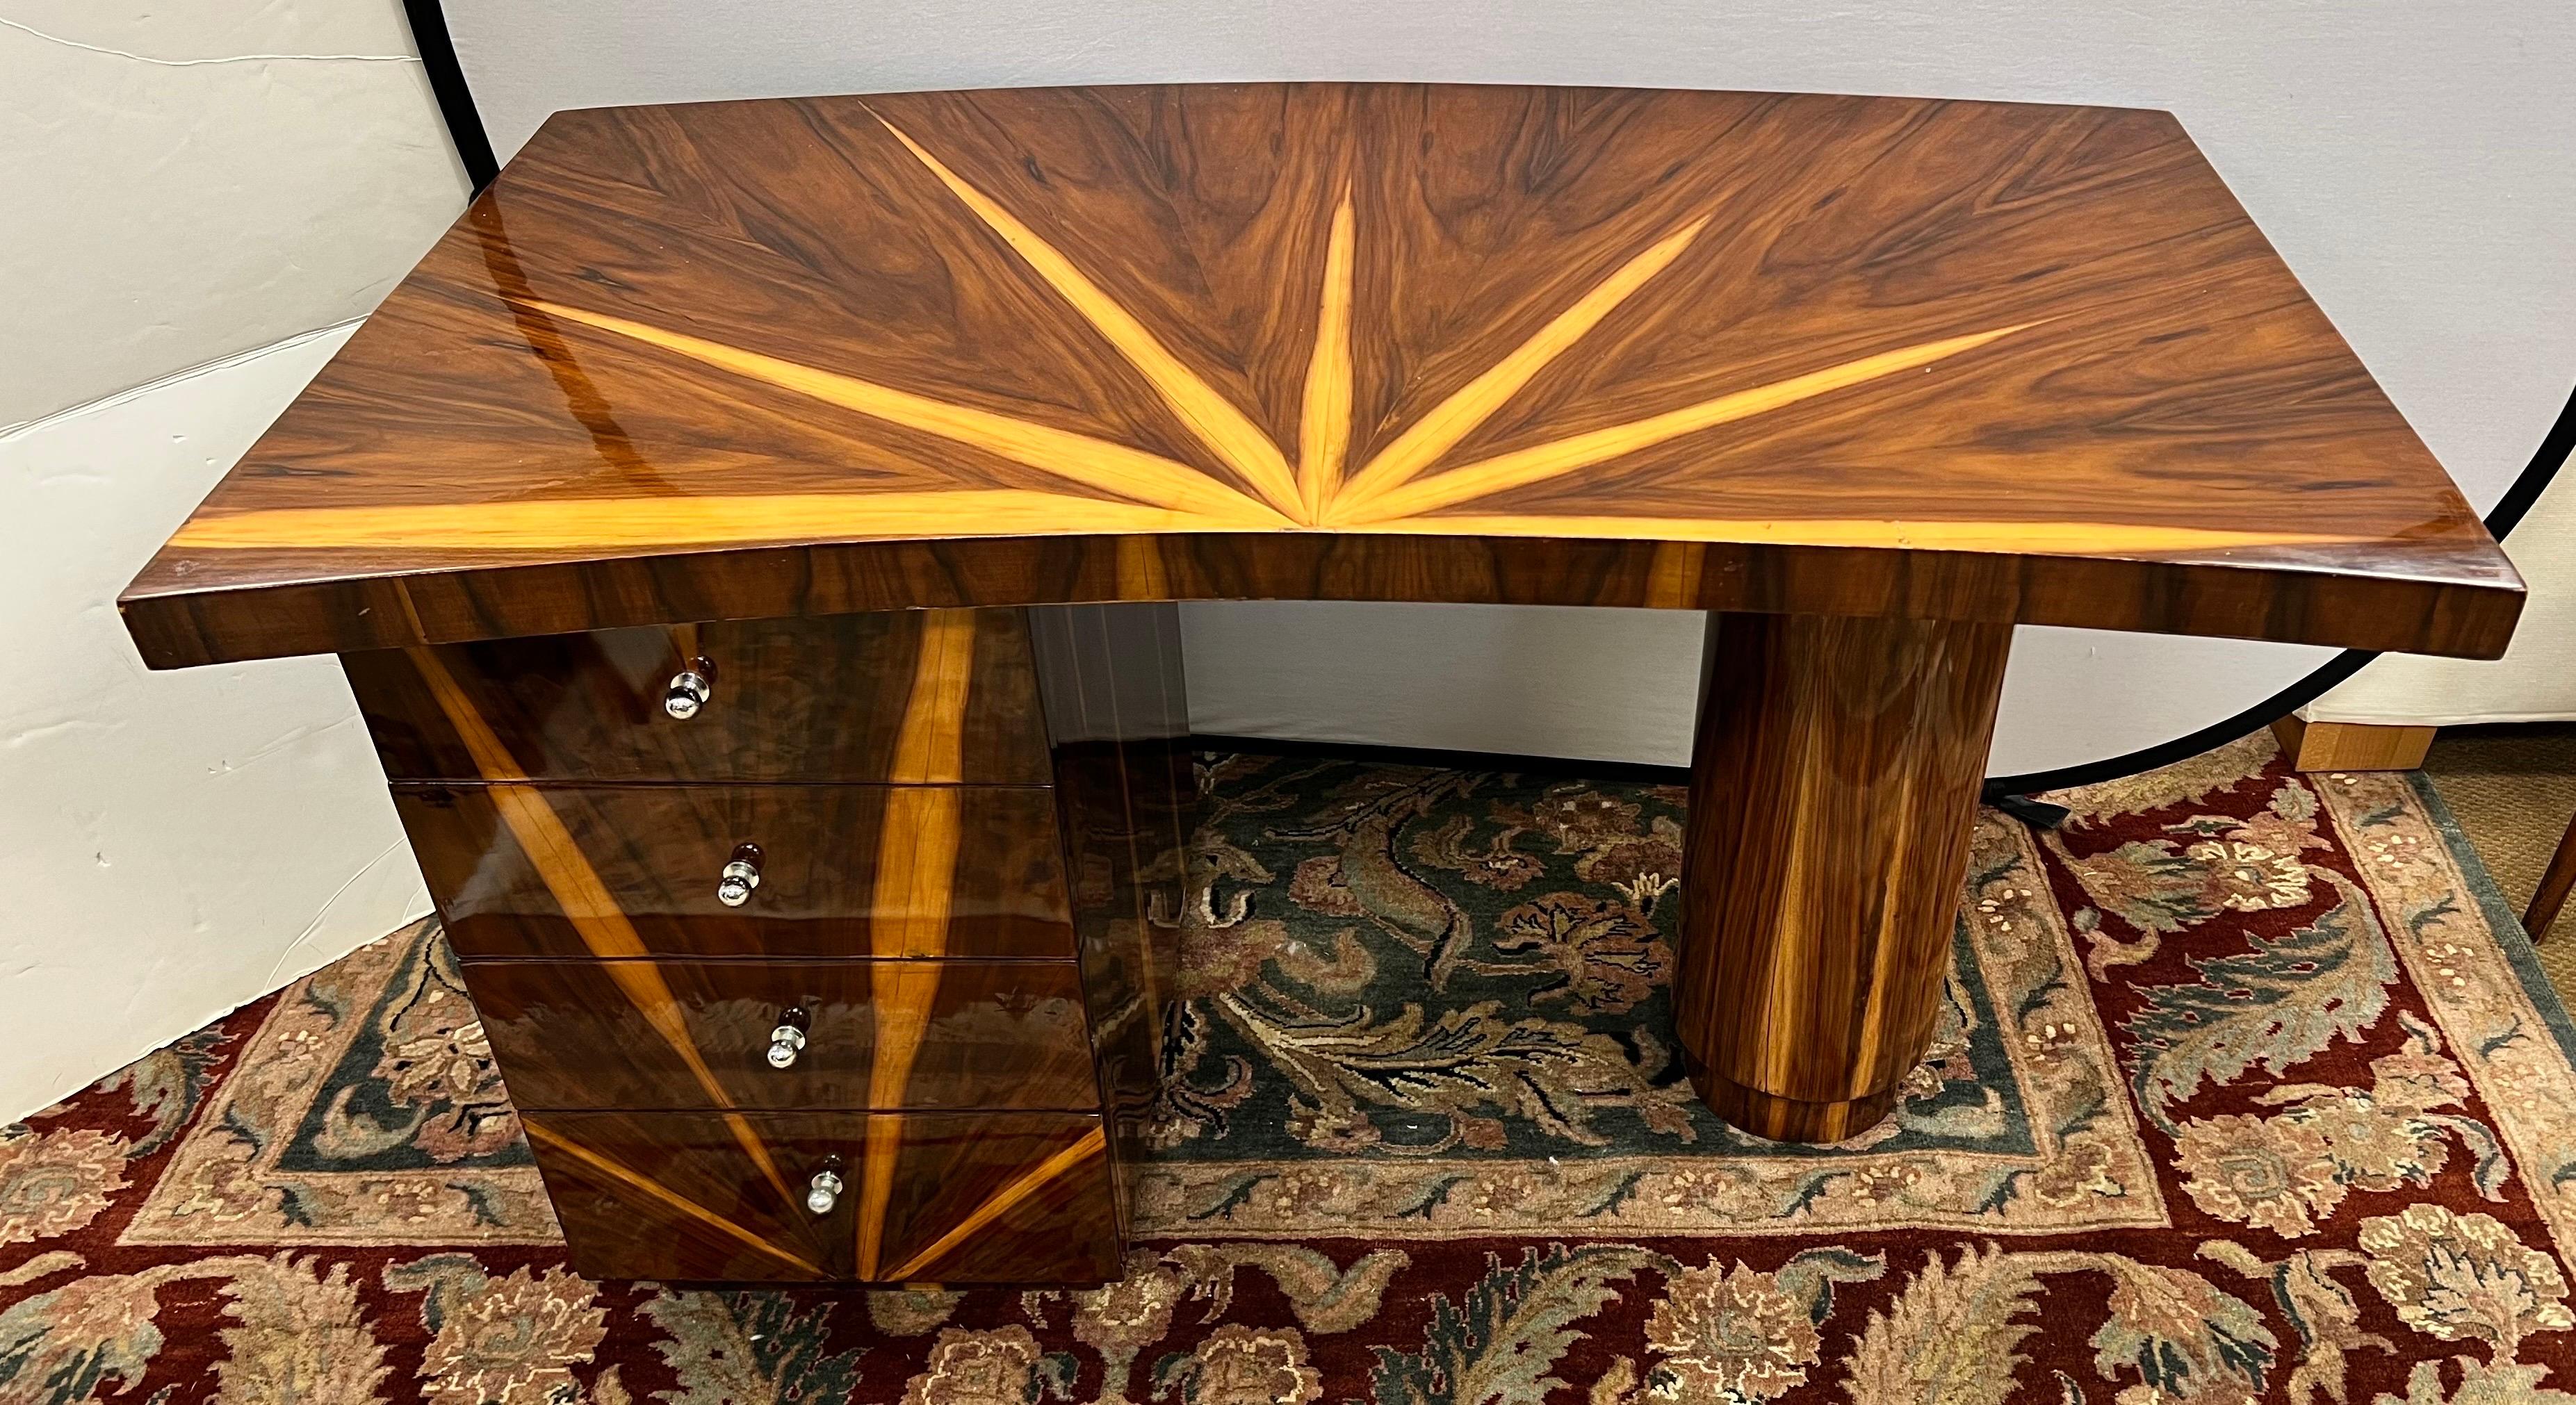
[
  {"x": 2248, "y": 1090},
  {"x": 2513, "y": 789}
]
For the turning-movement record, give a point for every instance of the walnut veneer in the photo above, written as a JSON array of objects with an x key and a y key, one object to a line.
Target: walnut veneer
[
  {"x": 1784, "y": 353},
  {"x": 823, "y": 392},
  {"x": 992, "y": 1034},
  {"x": 804, "y": 700},
  {"x": 969, "y": 846},
  {"x": 1847, "y": 754},
  {"x": 970, "y": 1198},
  {"x": 655, "y": 852}
]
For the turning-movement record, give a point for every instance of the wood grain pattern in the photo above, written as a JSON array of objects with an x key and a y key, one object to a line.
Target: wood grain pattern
[
  {"x": 916, "y": 875},
  {"x": 613, "y": 1056},
  {"x": 1210, "y": 417},
  {"x": 1000, "y": 1197},
  {"x": 795, "y": 700},
  {"x": 2348, "y": 746},
  {"x": 1036, "y": 1196},
  {"x": 990, "y": 1035},
  {"x": 655, "y": 853},
  {"x": 623, "y": 1217},
  {"x": 1877, "y": 356},
  {"x": 1117, "y": 706},
  {"x": 1833, "y": 787},
  {"x": 596, "y": 917}
]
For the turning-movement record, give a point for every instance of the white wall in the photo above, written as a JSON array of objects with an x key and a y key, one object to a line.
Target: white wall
[
  {"x": 1622, "y": 685},
  {"x": 193, "y": 181},
  {"x": 174, "y": 844},
  {"x": 200, "y": 186},
  {"x": 2536, "y": 679}
]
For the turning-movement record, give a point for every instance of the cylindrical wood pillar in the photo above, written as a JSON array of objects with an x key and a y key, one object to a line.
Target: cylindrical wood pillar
[{"x": 1833, "y": 789}]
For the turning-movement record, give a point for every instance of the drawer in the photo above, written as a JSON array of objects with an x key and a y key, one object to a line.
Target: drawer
[
  {"x": 625, "y": 1034},
  {"x": 844, "y": 870},
  {"x": 952, "y": 1198},
  {"x": 822, "y": 699}
]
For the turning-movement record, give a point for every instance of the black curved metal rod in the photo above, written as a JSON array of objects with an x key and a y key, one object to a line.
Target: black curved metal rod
[{"x": 447, "y": 84}]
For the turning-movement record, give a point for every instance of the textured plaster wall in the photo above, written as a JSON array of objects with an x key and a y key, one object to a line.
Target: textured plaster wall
[
  {"x": 172, "y": 844},
  {"x": 198, "y": 201},
  {"x": 188, "y": 182},
  {"x": 2408, "y": 157}
]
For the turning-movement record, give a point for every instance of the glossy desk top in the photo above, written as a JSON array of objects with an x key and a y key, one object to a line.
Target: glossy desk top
[{"x": 1579, "y": 346}]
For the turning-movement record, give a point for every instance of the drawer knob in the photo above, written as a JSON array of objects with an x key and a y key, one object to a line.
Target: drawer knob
[
  {"x": 788, "y": 1040},
  {"x": 741, "y": 875},
  {"x": 824, "y": 1191},
  {"x": 690, "y": 688}
]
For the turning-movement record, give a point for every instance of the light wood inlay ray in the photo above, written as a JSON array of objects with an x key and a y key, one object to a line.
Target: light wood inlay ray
[
  {"x": 613, "y": 523},
  {"x": 1140, "y": 571},
  {"x": 1435, "y": 434},
  {"x": 1001, "y": 1202},
  {"x": 1210, "y": 415},
  {"x": 1673, "y": 579},
  {"x": 1324, "y": 427},
  {"x": 2136, "y": 539},
  {"x": 1400, "y": 499},
  {"x": 1095, "y": 463},
  {"x": 626, "y": 522},
  {"x": 585, "y": 900},
  {"x": 663, "y": 1194},
  {"x": 930, "y": 747},
  {"x": 916, "y": 875}
]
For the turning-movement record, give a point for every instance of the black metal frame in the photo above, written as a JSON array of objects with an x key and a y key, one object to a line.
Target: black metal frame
[{"x": 447, "y": 83}]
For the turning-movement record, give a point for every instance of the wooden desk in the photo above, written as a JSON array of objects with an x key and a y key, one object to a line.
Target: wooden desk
[{"x": 695, "y": 398}]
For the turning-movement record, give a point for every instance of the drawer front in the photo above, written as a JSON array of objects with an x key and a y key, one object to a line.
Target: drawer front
[
  {"x": 824, "y": 699},
  {"x": 948, "y": 1198},
  {"x": 843, "y": 870},
  {"x": 874, "y": 1034}
]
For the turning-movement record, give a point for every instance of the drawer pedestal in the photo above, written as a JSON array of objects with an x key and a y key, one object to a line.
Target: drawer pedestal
[{"x": 816, "y": 950}]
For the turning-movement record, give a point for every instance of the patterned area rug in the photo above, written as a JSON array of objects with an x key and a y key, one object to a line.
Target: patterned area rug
[{"x": 2248, "y": 1089}]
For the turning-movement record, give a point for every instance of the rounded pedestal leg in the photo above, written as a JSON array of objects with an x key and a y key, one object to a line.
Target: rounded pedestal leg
[{"x": 1833, "y": 791}]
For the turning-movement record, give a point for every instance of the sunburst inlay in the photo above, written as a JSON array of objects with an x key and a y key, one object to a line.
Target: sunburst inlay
[{"x": 1116, "y": 488}]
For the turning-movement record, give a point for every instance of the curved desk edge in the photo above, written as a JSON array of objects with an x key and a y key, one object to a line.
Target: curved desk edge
[{"x": 2440, "y": 607}]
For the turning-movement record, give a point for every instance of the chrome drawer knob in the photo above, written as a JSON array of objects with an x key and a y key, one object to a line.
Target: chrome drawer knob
[
  {"x": 788, "y": 1040},
  {"x": 741, "y": 874},
  {"x": 825, "y": 1188},
  {"x": 690, "y": 688}
]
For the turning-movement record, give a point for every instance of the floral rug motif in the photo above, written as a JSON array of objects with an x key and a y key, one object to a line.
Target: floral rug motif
[
  {"x": 2248, "y": 1089},
  {"x": 1435, "y": 1004},
  {"x": 367, "y": 1111}
]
